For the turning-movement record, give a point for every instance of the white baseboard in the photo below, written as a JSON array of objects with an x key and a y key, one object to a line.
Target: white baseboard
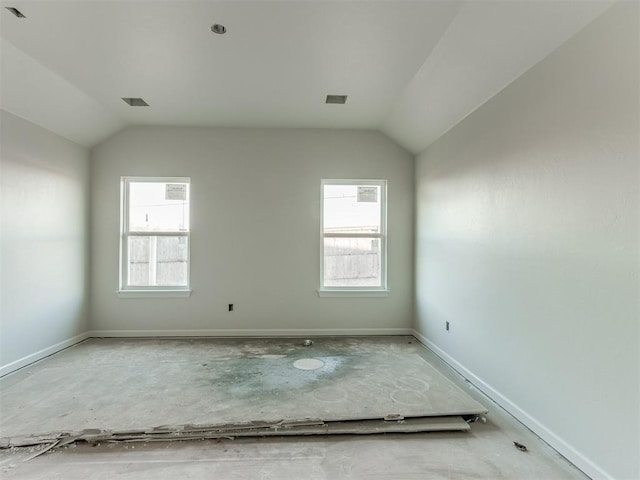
[
  {"x": 45, "y": 352},
  {"x": 545, "y": 433},
  {"x": 317, "y": 332}
]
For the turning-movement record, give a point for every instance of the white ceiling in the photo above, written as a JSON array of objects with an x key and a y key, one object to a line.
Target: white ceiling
[{"x": 411, "y": 69}]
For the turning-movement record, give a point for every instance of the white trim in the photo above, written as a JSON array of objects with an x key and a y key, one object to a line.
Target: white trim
[
  {"x": 545, "y": 433},
  {"x": 353, "y": 235},
  {"x": 181, "y": 233},
  {"x": 39, "y": 355},
  {"x": 153, "y": 293},
  {"x": 323, "y": 292},
  {"x": 223, "y": 332},
  {"x": 152, "y": 179}
]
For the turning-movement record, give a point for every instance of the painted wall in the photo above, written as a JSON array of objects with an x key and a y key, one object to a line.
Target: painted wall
[
  {"x": 255, "y": 230},
  {"x": 527, "y": 243},
  {"x": 45, "y": 239}
]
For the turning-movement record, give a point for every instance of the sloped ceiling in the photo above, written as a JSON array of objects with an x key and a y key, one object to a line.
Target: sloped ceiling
[{"x": 410, "y": 69}]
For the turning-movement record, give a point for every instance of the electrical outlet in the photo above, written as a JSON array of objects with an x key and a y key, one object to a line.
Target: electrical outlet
[
  {"x": 231, "y": 307},
  {"x": 446, "y": 326}
]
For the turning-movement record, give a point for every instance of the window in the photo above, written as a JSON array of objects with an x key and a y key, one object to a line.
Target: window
[
  {"x": 353, "y": 244},
  {"x": 154, "y": 241}
]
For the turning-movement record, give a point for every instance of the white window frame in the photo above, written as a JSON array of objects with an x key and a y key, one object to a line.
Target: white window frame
[
  {"x": 126, "y": 290},
  {"x": 365, "y": 291}
]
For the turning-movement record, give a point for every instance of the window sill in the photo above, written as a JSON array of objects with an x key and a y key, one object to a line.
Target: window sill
[
  {"x": 153, "y": 293},
  {"x": 352, "y": 293}
]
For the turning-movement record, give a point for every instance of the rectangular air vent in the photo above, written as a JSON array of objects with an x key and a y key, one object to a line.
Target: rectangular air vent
[
  {"x": 339, "y": 99},
  {"x": 16, "y": 12},
  {"x": 135, "y": 102}
]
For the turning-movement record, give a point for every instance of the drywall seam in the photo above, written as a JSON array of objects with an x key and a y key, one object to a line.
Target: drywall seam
[
  {"x": 39, "y": 355},
  {"x": 251, "y": 332},
  {"x": 545, "y": 433}
]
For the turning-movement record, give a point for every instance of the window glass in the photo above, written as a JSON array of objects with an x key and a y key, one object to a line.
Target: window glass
[
  {"x": 352, "y": 262},
  {"x": 155, "y": 235},
  {"x": 353, "y": 231},
  {"x": 157, "y": 261},
  {"x": 158, "y": 207},
  {"x": 352, "y": 208}
]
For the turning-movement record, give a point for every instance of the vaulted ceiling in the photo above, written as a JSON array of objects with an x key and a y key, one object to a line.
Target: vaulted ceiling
[{"x": 412, "y": 69}]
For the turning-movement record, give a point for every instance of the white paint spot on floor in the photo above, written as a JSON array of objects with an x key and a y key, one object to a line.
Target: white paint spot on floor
[{"x": 308, "y": 364}]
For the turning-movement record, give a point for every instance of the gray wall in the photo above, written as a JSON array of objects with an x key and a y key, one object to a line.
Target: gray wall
[
  {"x": 45, "y": 239},
  {"x": 255, "y": 239},
  {"x": 527, "y": 243}
]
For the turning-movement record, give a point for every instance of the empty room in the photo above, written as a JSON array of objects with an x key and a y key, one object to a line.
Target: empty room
[{"x": 320, "y": 239}]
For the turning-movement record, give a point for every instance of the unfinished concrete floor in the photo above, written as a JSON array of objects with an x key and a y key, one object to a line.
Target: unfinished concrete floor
[
  {"x": 487, "y": 451},
  {"x": 122, "y": 384}
]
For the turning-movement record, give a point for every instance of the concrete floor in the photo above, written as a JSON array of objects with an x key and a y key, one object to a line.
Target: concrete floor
[
  {"x": 124, "y": 384},
  {"x": 487, "y": 451}
]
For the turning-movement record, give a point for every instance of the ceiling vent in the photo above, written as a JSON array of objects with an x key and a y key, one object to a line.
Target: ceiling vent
[
  {"x": 135, "y": 102},
  {"x": 338, "y": 99},
  {"x": 16, "y": 12}
]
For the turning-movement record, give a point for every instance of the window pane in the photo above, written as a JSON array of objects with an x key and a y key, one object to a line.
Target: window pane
[
  {"x": 351, "y": 208},
  {"x": 158, "y": 207},
  {"x": 352, "y": 262},
  {"x": 157, "y": 261}
]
